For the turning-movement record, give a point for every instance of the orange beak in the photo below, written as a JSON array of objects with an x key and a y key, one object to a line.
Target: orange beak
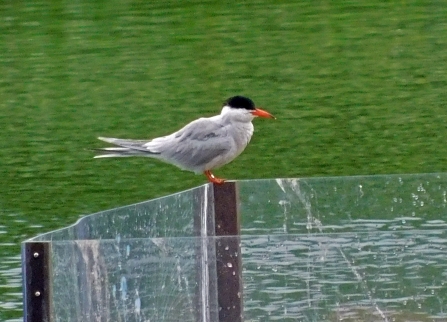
[{"x": 262, "y": 113}]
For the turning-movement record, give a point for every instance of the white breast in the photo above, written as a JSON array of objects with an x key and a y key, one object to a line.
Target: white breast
[{"x": 240, "y": 135}]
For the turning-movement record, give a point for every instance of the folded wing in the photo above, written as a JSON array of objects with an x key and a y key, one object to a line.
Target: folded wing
[{"x": 195, "y": 146}]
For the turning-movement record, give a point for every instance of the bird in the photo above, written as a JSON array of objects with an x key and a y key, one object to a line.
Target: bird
[{"x": 202, "y": 145}]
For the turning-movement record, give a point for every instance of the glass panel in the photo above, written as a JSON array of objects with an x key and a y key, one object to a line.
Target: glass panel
[
  {"x": 364, "y": 276},
  {"x": 171, "y": 216},
  {"x": 369, "y": 275},
  {"x": 318, "y": 249},
  {"x": 153, "y": 279},
  {"x": 343, "y": 204},
  {"x": 351, "y": 248}
]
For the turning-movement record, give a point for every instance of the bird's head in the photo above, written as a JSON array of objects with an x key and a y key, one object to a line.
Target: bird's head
[{"x": 240, "y": 108}]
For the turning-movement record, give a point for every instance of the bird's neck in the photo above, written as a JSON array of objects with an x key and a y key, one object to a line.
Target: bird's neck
[{"x": 243, "y": 131}]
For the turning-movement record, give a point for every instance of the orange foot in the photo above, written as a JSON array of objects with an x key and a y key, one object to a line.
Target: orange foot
[{"x": 212, "y": 178}]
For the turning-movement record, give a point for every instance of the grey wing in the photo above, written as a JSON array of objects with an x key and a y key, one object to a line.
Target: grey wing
[{"x": 197, "y": 144}]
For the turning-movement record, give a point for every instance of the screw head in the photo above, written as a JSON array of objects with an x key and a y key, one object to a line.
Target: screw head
[
  {"x": 36, "y": 254},
  {"x": 37, "y": 293}
]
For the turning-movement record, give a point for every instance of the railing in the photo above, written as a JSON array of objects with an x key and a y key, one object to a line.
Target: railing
[{"x": 318, "y": 249}]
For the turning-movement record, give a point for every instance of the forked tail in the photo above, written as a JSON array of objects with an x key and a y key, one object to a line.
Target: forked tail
[{"x": 124, "y": 148}]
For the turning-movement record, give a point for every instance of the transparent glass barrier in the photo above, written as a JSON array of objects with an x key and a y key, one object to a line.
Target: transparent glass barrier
[
  {"x": 364, "y": 276},
  {"x": 170, "y": 216},
  {"x": 344, "y": 204},
  {"x": 319, "y": 249},
  {"x": 128, "y": 280}
]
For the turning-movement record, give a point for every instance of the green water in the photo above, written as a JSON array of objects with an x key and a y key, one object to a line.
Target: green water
[{"x": 358, "y": 88}]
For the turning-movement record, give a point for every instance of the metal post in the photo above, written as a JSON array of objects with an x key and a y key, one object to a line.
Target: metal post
[
  {"x": 228, "y": 252},
  {"x": 36, "y": 281}
]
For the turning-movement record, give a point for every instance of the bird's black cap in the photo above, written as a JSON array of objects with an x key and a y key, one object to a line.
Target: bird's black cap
[{"x": 240, "y": 102}]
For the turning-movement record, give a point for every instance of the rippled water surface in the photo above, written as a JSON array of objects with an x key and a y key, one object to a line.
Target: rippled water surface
[{"x": 357, "y": 88}]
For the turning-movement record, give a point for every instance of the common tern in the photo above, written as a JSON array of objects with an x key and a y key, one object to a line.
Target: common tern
[{"x": 202, "y": 145}]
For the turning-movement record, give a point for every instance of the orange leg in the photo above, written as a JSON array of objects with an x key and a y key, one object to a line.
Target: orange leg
[{"x": 212, "y": 178}]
